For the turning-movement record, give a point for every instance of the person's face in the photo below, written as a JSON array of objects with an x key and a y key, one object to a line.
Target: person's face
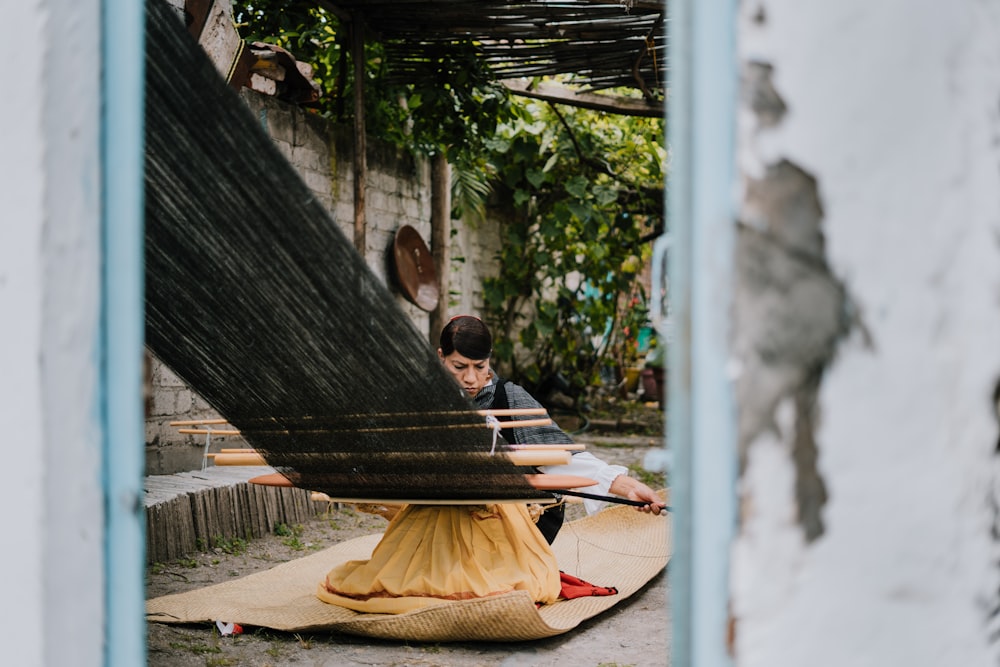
[{"x": 471, "y": 374}]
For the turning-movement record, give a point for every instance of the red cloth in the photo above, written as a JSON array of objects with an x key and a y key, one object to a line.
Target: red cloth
[{"x": 574, "y": 587}]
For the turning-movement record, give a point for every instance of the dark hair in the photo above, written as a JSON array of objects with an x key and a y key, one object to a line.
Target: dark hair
[{"x": 467, "y": 335}]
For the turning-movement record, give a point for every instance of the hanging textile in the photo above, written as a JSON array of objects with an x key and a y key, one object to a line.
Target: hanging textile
[{"x": 256, "y": 299}]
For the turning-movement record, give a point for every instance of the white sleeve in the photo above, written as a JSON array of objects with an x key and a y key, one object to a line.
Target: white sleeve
[{"x": 585, "y": 464}]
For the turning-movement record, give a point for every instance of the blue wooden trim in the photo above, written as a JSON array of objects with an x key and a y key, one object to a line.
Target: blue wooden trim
[
  {"x": 122, "y": 333},
  {"x": 678, "y": 408},
  {"x": 701, "y": 414}
]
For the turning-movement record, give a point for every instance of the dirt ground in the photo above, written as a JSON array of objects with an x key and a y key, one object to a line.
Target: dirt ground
[{"x": 633, "y": 633}]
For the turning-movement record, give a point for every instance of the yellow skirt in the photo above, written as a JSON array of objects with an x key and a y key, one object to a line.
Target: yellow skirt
[{"x": 433, "y": 553}]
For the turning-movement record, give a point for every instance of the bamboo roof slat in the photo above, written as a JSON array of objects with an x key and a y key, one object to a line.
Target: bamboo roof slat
[{"x": 603, "y": 44}]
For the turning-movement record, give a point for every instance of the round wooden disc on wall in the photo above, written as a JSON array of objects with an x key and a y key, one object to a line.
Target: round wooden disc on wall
[{"x": 414, "y": 267}]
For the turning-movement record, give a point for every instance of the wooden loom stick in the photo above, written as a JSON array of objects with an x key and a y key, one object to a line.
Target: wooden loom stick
[
  {"x": 547, "y": 457},
  {"x": 516, "y": 424},
  {"x": 521, "y": 423},
  {"x": 540, "y": 482},
  {"x": 430, "y": 501},
  {"x": 610, "y": 499},
  {"x": 503, "y": 412},
  {"x": 198, "y": 422},
  {"x": 512, "y": 412},
  {"x": 569, "y": 447},
  {"x": 199, "y": 431},
  {"x": 241, "y": 459}
]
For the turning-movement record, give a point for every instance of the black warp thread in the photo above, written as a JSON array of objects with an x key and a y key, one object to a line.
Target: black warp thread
[{"x": 257, "y": 300}]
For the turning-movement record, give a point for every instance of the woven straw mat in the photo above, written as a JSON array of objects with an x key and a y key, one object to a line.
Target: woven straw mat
[{"x": 616, "y": 547}]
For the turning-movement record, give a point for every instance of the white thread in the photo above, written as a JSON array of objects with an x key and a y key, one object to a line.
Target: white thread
[
  {"x": 494, "y": 424},
  {"x": 208, "y": 443}
]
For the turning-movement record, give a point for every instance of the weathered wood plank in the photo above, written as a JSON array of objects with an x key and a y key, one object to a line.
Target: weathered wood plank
[{"x": 191, "y": 511}]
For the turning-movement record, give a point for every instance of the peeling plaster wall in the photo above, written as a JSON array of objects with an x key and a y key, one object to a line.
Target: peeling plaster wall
[{"x": 866, "y": 334}]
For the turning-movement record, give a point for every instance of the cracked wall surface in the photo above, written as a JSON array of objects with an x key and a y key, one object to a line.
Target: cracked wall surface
[
  {"x": 865, "y": 321},
  {"x": 789, "y": 312}
]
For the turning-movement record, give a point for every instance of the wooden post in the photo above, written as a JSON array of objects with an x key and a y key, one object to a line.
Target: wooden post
[
  {"x": 440, "y": 239},
  {"x": 360, "y": 149}
]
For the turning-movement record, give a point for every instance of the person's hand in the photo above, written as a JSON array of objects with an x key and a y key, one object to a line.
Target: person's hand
[
  {"x": 645, "y": 494},
  {"x": 633, "y": 489}
]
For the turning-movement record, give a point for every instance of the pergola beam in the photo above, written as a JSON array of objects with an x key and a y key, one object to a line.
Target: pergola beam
[{"x": 558, "y": 94}]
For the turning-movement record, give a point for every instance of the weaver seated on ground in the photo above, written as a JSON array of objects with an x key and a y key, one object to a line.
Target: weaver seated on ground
[{"x": 431, "y": 553}]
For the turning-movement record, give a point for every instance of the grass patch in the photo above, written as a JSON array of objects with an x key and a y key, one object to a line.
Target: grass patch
[
  {"x": 283, "y": 529},
  {"x": 233, "y": 546},
  {"x": 293, "y": 543},
  {"x": 220, "y": 662},
  {"x": 610, "y": 444},
  {"x": 291, "y": 535},
  {"x": 197, "y": 649}
]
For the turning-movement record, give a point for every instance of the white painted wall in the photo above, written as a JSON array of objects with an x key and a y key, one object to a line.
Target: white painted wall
[
  {"x": 52, "y": 543},
  {"x": 22, "y": 206},
  {"x": 894, "y": 107}
]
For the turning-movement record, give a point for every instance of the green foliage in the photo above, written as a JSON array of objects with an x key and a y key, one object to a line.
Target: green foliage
[
  {"x": 450, "y": 102},
  {"x": 291, "y": 535},
  {"x": 220, "y": 662},
  {"x": 582, "y": 189},
  {"x": 451, "y": 106},
  {"x": 233, "y": 546},
  {"x": 294, "y": 543},
  {"x": 585, "y": 191}
]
